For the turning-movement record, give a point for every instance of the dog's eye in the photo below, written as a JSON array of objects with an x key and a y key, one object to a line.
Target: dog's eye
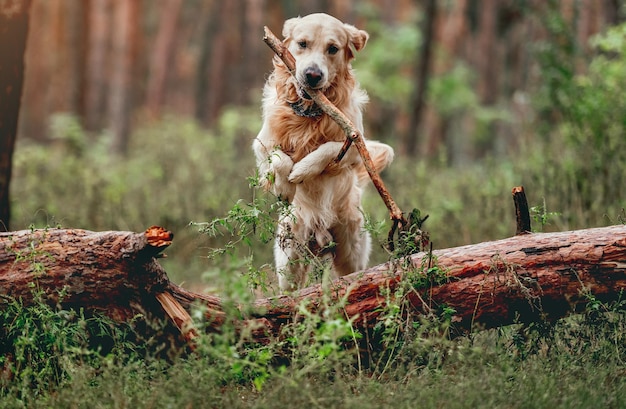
[
  {"x": 332, "y": 50},
  {"x": 302, "y": 44}
]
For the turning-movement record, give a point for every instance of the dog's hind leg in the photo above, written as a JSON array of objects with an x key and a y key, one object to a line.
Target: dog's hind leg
[
  {"x": 284, "y": 272},
  {"x": 290, "y": 268},
  {"x": 354, "y": 246}
]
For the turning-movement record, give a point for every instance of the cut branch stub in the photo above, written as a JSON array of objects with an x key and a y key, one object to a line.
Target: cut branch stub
[{"x": 522, "y": 215}]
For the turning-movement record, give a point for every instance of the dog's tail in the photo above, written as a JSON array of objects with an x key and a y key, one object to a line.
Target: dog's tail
[{"x": 381, "y": 155}]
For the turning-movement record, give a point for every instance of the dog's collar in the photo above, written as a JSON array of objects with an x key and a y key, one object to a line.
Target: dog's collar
[{"x": 306, "y": 110}]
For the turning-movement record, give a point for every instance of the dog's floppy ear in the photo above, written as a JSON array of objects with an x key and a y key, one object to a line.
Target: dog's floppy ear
[
  {"x": 288, "y": 27},
  {"x": 356, "y": 39}
]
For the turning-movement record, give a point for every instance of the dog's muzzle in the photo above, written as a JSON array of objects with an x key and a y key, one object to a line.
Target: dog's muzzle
[
  {"x": 313, "y": 76},
  {"x": 302, "y": 93}
]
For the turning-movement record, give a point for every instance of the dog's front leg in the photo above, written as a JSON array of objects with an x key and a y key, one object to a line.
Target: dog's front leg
[
  {"x": 274, "y": 167},
  {"x": 317, "y": 161}
]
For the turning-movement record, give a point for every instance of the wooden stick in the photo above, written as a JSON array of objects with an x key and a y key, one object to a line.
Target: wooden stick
[{"x": 352, "y": 134}]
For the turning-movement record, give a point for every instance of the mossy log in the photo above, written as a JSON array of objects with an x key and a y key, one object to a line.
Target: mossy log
[{"x": 522, "y": 278}]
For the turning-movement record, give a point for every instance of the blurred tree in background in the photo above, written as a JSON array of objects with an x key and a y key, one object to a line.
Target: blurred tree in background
[{"x": 13, "y": 37}]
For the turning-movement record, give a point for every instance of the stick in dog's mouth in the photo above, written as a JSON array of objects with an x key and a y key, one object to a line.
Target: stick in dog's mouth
[{"x": 352, "y": 136}]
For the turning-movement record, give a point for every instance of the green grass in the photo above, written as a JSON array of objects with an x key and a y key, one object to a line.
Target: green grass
[{"x": 578, "y": 362}]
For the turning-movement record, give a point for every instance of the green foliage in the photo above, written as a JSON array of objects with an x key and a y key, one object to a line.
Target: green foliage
[
  {"x": 452, "y": 94},
  {"x": 582, "y": 355},
  {"x": 596, "y": 125},
  {"x": 389, "y": 53},
  {"x": 590, "y": 108},
  {"x": 243, "y": 222},
  {"x": 541, "y": 215},
  {"x": 387, "y": 72},
  {"x": 175, "y": 172},
  {"x": 43, "y": 345}
]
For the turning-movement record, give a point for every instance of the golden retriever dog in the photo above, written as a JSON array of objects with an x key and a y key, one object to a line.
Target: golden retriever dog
[{"x": 297, "y": 146}]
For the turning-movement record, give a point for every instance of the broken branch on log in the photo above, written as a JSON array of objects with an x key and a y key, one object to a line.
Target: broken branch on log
[
  {"x": 523, "y": 278},
  {"x": 522, "y": 215}
]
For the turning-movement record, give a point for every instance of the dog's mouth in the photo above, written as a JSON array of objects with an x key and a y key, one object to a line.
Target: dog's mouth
[
  {"x": 302, "y": 93},
  {"x": 305, "y": 107}
]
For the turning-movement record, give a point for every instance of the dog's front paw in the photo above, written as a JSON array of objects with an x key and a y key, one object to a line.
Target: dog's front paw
[
  {"x": 300, "y": 172},
  {"x": 281, "y": 163}
]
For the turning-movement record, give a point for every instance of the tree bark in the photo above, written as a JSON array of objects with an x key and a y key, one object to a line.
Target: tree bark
[
  {"x": 100, "y": 26},
  {"x": 222, "y": 64},
  {"x": 34, "y": 110},
  {"x": 105, "y": 271},
  {"x": 78, "y": 29},
  {"x": 13, "y": 34},
  {"x": 421, "y": 76},
  {"x": 523, "y": 278},
  {"x": 125, "y": 47},
  {"x": 162, "y": 54},
  {"x": 201, "y": 88},
  {"x": 487, "y": 61}
]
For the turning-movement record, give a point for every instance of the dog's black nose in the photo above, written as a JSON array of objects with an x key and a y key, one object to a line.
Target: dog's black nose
[{"x": 313, "y": 76}]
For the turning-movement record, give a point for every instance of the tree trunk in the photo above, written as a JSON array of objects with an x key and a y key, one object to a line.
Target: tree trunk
[
  {"x": 252, "y": 25},
  {"x": 202, "y": 88},
  {"x": 450, "y": 30},
  {"x": 37, "y": 72},
  {"x": 125, "y": 45},
  {"x": 78, "y": 15},
  {"x": 13, "y": 34},
  {"x": 421, "y": 76},
  {"x": 112, "y": 271},
  {"x": 523, "y": 278},
  {"x": 486, "y": 60},
  {"x": 161, "y": 58},
  {"x": 100, "y": 26},
  {"x": 221, "y": 66}
]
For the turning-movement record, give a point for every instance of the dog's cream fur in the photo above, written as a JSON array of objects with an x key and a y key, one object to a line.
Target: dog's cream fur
[{"x": 294, "y": 153}]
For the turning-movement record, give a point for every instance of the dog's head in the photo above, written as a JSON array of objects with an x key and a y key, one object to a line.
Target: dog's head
[{"x": 322, "y": 46}]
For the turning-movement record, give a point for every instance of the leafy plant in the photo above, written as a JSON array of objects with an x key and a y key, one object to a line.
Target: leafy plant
[
  {"x": 541, "y": 215},
  {"x": 42, "y": 345}
]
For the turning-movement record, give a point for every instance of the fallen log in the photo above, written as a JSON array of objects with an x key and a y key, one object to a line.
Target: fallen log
[
  {"x": 106, "y": 271},
  {"x": 114, "y": 272},
  {"x": 522, "y": 278}
]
